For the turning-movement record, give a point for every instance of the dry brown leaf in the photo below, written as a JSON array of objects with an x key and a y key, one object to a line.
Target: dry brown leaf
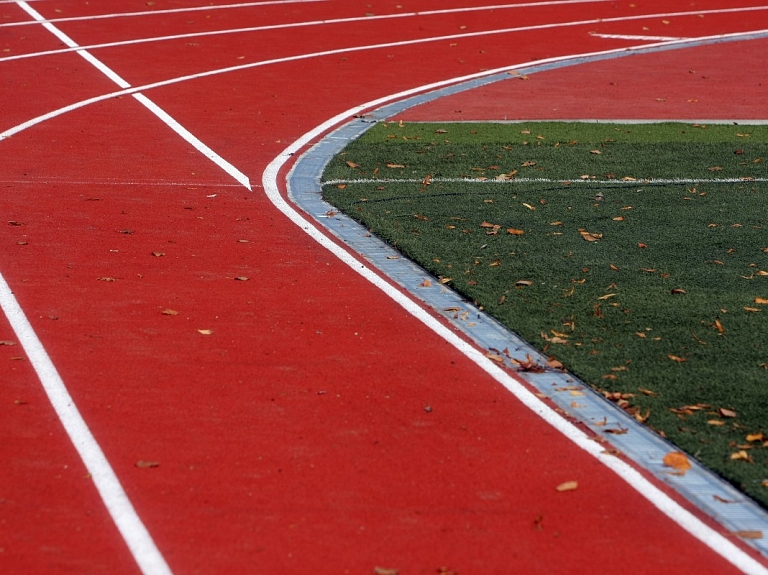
[
  {"x": 515, "y": 231},
  {"x": 676, "y": 358},
  {"x": 142, "y": 464},
  {"x": 205, "y": 331},
  {"x": 749, "y": 534},
  {"x": 755, "y": 437},
  {"x": 716, "y": 422},
  {"x": 169, "y": 311},
  {"x": 726, "y": 412},
  {"x": 395, "y": 166},
  {"x": 425, "y": 283},
  {"x": 741, "y": 455},
  {"x": 385, "y": 571},
  {"x": 588, "y": 236},
  {"x": 567, "y": 486},
  {"x": 677, "y": 461},
  {"x": 353, "y": 165},
  {"x": 761, "y": 300}
]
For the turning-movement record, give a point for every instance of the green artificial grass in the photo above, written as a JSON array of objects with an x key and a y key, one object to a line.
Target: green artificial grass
[{"x": 575, "y": 236}]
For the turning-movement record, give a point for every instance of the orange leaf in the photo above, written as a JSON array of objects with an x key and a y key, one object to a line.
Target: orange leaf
[
  {"x": 353, "y": 165},
  {"x": 676, "y": 358},
  {"x": 678, "y": 461},
  {"x": 515, "y": 232},
  {"x": 749, "y": 534}
]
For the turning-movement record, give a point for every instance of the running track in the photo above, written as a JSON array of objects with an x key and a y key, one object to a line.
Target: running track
[{"x": 314, "y": 426}]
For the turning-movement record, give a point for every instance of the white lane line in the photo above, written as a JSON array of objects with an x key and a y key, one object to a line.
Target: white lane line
[
  {"x": 633, "y": 182},
  {"x": 247, "y": 4},
  {"x": 240, "y": 67},
  {"x": 291, "y": 25},
  {"x": 146, "y": 102},
  {"x": 636, "y": 38},
  {"x": 308, "y": 23},
  {"x": 658, "y": 498},
  {"x": 130, "y": 526},
  {"x": 154, "y": 12}
]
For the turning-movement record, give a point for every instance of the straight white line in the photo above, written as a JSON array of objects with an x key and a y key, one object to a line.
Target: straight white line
[
  {"x": 578, "y": 180},
  {"x": 635, "y": 38},
  {"x": 658, "y": 498},
  {"x": 83, "y": 103},
  {"x": 292, "y": 25},
  {"x": 146, "y": 102},
  {"x": 154, "y": 12},
  {"x": 135, "y": 534}
]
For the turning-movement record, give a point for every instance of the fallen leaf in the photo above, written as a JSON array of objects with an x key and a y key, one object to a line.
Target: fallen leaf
[
  {"x": 158, "y": 254},
  {"x": 529, "y": 365},
  {"x": 677, "y": 461},
  {"x": 515, "y": 232},
  {"x": 521, "y": 283},
  {"x": 755, "y": 437},
  {"x": 678, "y": 291},
  {"x": 552, "y": 363},
  {"x": 395, "y": 166},
  {"x": 205, "y": 331},
  {"x": 242, "y": 278},
  {"x": 106, "y": 279},
  {"x": 676, "y": 358},
  {"x": 741, "y": 455},
  {"x": 141, "y": 464},
  {"x": 749, "y": 534},
  {"x": 716, "y": 422},
  {"x": 726, "y": 412},
  {"x": 590, "y": 237},
  {"x": 761, "y": 300},
  {"x": 7, "y": 342},
  {"x": 425, "y": 283},
  {"x": 567, "y": 486},
  {"x": 169, "y": 311},
  {"x": 353, "y": 165}
]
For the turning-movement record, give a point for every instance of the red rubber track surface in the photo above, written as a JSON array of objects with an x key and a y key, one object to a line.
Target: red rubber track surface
[{"x": 294, "y": 438}]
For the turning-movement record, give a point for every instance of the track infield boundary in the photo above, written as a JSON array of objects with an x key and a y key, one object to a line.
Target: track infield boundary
[{"x": 699, "y": 486}]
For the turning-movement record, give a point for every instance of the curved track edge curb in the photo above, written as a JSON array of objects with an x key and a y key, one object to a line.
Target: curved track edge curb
[{"x": 699, "y": 486}]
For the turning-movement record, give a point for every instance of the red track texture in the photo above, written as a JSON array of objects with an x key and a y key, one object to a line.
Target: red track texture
[{"x": 318, "y": 428}]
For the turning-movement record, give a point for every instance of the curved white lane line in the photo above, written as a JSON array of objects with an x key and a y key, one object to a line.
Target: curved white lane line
[
  {"x": 145, "y": 87},
  {"x": 308, "y": 23},
  {"x": 292, "y": 25},
  {"x": 658, "y": 498},
  {"x": 120, "y": 508},
  {"x": 154, "y": 12}
]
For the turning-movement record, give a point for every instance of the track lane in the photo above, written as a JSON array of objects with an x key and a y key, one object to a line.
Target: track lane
[{"x": 214, "y": 385}]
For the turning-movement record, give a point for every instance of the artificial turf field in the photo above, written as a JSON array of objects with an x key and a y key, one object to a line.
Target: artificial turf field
[{"x": 635, "y": 254}]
